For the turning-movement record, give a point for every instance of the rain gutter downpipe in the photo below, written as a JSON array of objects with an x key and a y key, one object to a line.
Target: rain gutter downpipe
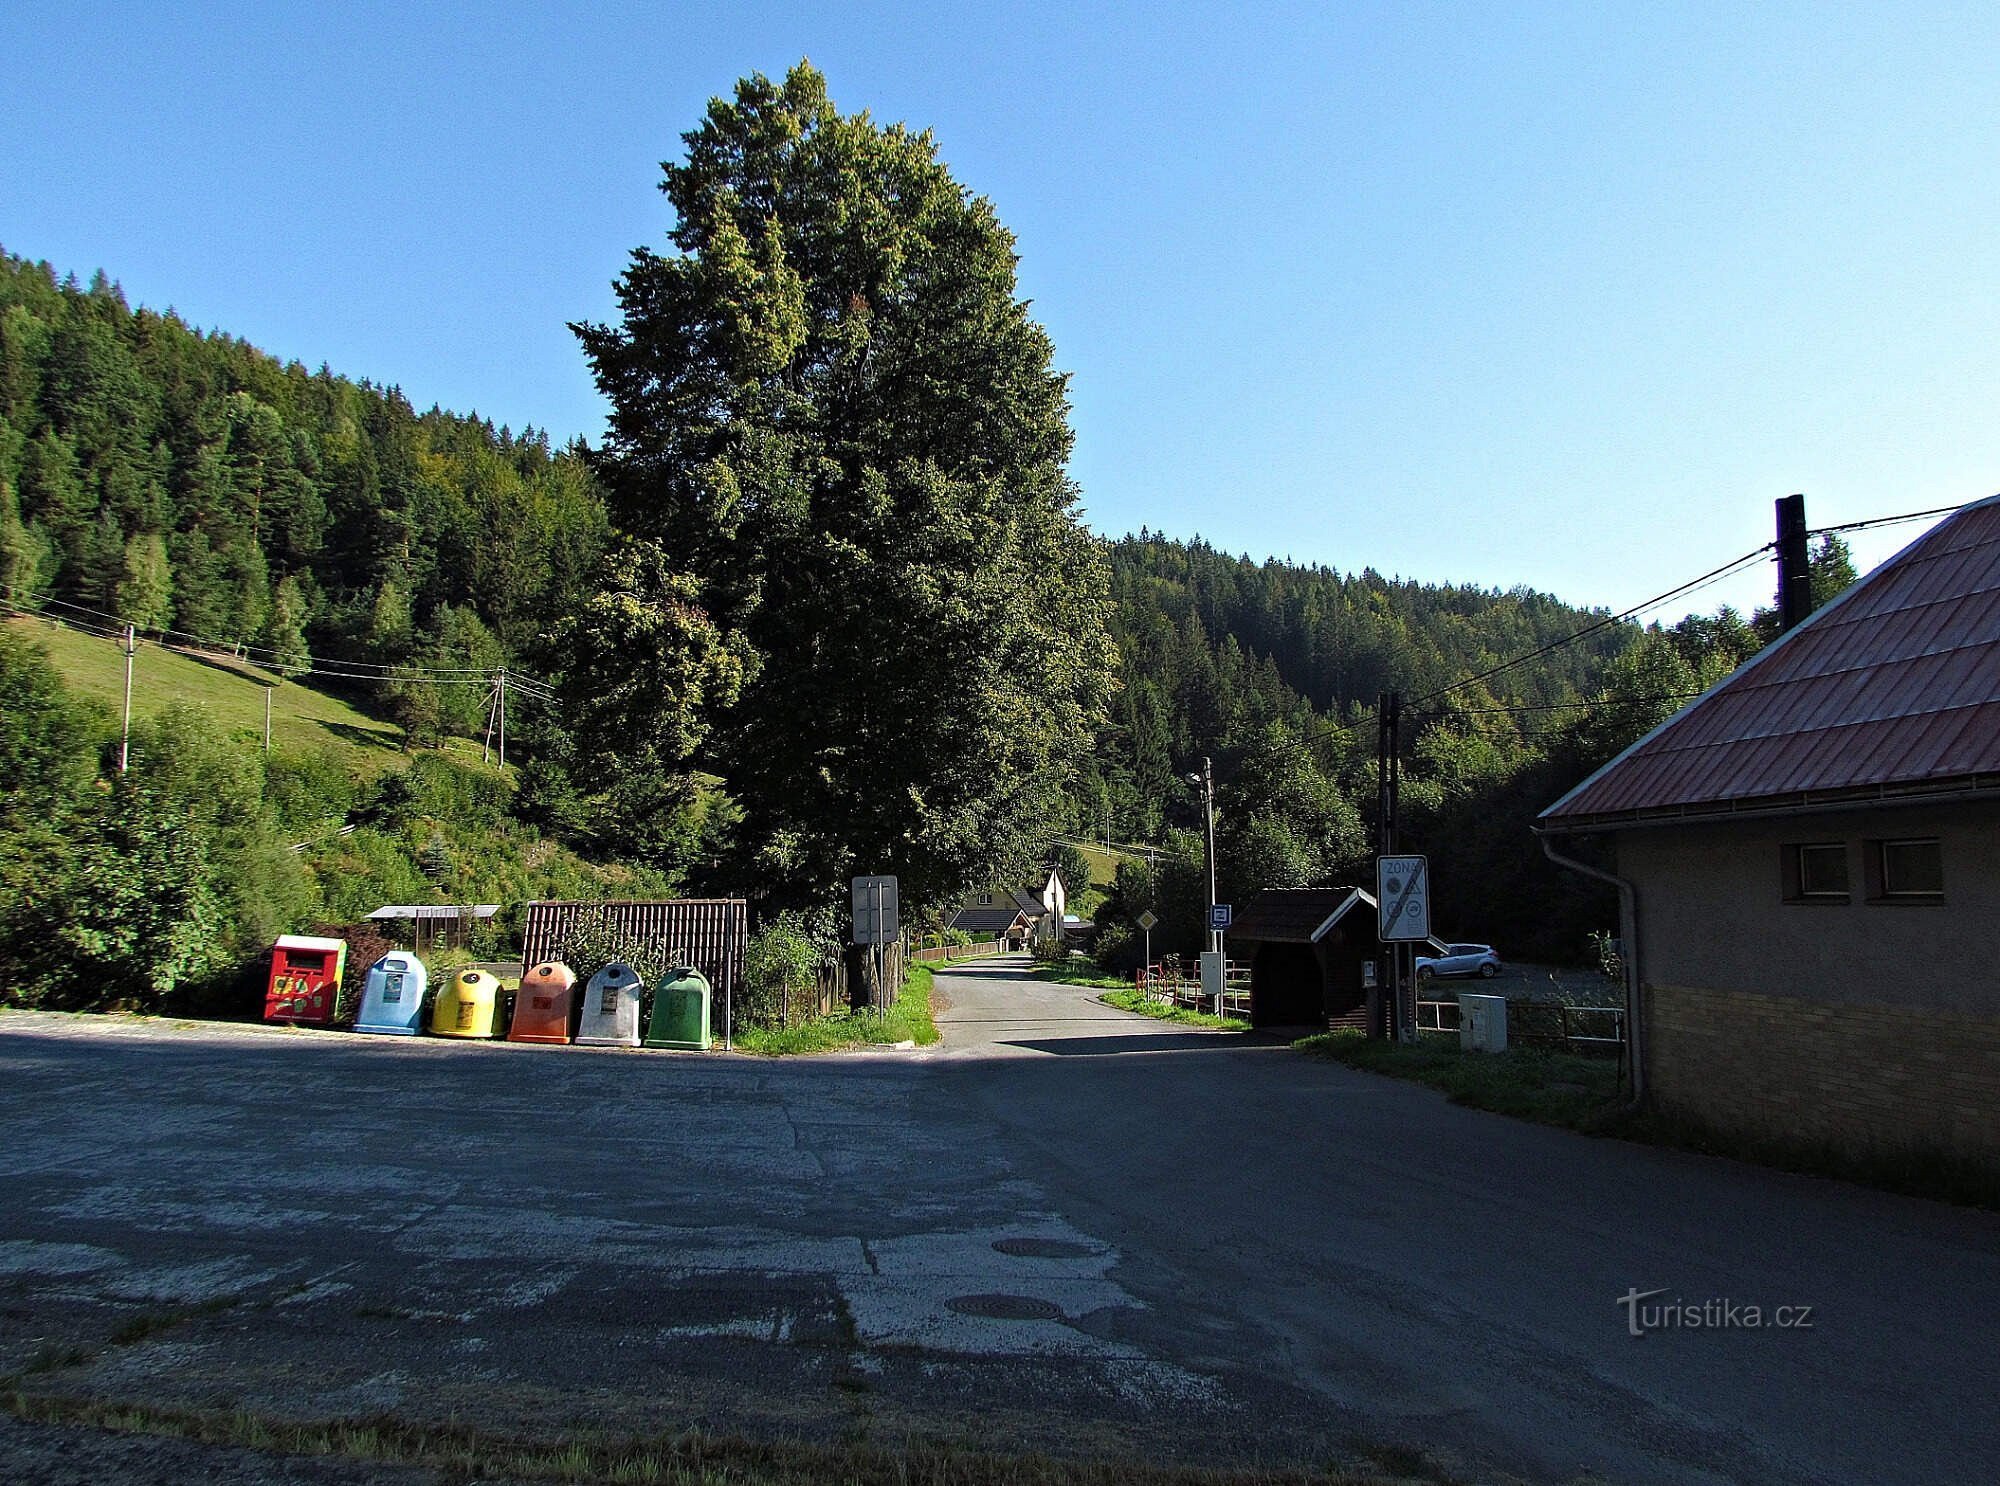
[{"x": 1628, "y": 935}]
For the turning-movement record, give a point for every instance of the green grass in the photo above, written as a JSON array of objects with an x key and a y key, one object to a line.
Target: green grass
[
  {"x": 1078, "y": 971},
  {"x": 1580, "y": 1093},
  {"x": 1127, "y": 999},
  {"x": 454, "y": 1451},
  {"x": 230, "y": 692},
  {"x": 909, "y": 1020},
  {"x": 1552, "y": 1088},
  {"x": 1118, "y": 992}
]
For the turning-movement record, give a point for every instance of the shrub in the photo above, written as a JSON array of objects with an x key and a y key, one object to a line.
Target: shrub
[{"x": 780, "y": 967}]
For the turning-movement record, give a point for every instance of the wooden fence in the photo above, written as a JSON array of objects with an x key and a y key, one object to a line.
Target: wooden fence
[
  {"x": 944, "y": 954},
  {"x": 711, "y": 934}
]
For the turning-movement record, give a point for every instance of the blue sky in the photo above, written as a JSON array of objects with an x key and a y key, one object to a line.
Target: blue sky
[{"x": 1556, "y": 295}]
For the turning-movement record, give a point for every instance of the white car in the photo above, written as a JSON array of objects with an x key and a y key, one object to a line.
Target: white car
[{"x": 1460, "y": 959}]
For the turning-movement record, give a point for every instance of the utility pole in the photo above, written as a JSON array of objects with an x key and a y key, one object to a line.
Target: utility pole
[
  {"x": 1208, "y": 842},
  {"x": 492, "y": 712},
  {"x": 125, "y": 737},
  {"x": 503, "y": 717},
  {"x": 1794, "y": 564},
  {"x": 1388, "y": 749},
  {"x": 267, "y": 719}
]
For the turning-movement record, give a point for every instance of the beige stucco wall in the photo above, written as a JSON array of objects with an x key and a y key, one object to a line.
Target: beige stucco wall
[
  {"x": 1712, "y": 911},
  {"x": 1863, "y": 1026}
]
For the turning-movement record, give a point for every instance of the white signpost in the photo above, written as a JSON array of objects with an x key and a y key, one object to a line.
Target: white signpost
[
  {"x": 1147, "y": 918},
  {"x": 877, "y": 922},
  {"x": 1403, "y": 898}
]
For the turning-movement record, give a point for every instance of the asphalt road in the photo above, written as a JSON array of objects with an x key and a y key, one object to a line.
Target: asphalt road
[{"x": 1063, "y": 1228}]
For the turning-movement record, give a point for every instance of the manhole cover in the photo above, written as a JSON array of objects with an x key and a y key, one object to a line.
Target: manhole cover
[
  {"x": 1043, "y": 1248},
  {"x": 1005, "y": 1307}
]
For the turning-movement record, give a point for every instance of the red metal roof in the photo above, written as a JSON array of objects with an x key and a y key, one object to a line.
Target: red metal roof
[{"x": 1892, "y": 687}]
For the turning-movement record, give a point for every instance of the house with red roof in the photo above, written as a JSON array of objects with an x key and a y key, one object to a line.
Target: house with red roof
[{"x": 1808, "y": 864}]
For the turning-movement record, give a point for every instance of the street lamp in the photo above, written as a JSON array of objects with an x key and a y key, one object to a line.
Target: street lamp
[{"x": 1205, "y": 782}]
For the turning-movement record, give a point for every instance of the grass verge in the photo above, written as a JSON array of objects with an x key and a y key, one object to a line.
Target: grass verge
[
  {"x": 1553, "y": 1088},
  {"x": 458, "y": 1452},
  {"x": 1127, "y": 999},
  {"x": 1580, "y": 1093},
  {"x": 909, "y": 1020},
  {"x": 1078, "y": 971},
  {"x": 1118, "y": 992}
]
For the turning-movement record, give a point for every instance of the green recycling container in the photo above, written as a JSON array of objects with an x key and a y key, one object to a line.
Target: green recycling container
[{"x": 680, "y": 1010}]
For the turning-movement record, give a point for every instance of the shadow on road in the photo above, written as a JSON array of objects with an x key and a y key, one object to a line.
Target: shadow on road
[{"x": 1149, "y": 1042}]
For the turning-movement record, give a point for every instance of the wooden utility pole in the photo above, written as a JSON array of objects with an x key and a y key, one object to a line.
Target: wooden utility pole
[
  {"x": 125, "y": 737},
  {"x": 503, "y": 717}
]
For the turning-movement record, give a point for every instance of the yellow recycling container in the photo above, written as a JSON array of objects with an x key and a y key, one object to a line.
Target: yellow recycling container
[{"x": 466, "y": 1005}]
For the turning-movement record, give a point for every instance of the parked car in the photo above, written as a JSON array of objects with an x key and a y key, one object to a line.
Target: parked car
[{"x": 1459, "y": 959}]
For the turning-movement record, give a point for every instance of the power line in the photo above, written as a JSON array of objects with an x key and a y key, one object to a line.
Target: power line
[
  {"x": 1820, "y": 531},
  {"x": 1670, "y": 696},
  {"x": 94, "y": 620},
  {"x": 1693, "y": 585}
]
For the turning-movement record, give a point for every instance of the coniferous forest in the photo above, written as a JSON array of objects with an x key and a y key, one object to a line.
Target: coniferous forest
[{"x": 818, "y": 602}]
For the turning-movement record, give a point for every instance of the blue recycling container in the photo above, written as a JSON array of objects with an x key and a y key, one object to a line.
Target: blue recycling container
[{"x": 392, "y": 998}]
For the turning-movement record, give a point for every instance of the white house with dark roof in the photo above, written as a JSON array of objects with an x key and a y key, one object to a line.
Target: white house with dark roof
[
  {"x": 1808, "y": 861},
  {"x": 1022, "y": 916}
]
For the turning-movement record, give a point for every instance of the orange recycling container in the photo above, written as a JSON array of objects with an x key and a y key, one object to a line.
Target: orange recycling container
[{"x": 542, "y": 1009}]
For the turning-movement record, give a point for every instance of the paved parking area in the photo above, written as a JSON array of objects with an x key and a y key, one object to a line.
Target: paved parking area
[{"x": 1064, "y": 1228}]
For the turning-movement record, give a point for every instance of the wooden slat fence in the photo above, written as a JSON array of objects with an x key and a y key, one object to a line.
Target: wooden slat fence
[{"x": 709, "y": 933}]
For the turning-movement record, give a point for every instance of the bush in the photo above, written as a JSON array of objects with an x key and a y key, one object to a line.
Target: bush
[
  {"x": 366, "y": 943},
  {"x": 1049, "y": 951},
  {"x": 1118, "y": 948},
  {"x": 781, "y": 966},
  {"x": 593, "y": 943},
  {"x": 311, "y": 792}
]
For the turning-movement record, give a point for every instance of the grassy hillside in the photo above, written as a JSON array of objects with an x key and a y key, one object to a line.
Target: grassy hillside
[{"x": 231, "y": 693}]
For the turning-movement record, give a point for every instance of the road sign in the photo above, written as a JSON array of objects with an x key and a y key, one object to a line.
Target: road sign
[
  {"x": 1403, "y": 897},
  {"x": 875, "y": 911},
  {"x": 1147, "y": 919},
  {"x": 1220, "y": 915}
]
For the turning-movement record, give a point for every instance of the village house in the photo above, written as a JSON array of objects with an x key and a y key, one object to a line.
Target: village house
[
  {"x": 1808, "y": 860},
  {"x": 1018, "y": 916}
]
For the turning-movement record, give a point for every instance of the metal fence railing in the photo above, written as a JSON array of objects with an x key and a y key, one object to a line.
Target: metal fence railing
[
  {"x": 1174, "y": 983},
  {"x": 1556, "y": 1024}
]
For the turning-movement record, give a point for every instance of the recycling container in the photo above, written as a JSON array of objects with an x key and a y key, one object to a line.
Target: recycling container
[
  {"x": 466, "y": 1005},
  {"x": 611, "y": 1008},
  {"x": 305, "y": 979},
  {"x": 680, "y": 1010},
  {"x": 392, "y": 1000},
  {"x": 542, "y": 1007}
]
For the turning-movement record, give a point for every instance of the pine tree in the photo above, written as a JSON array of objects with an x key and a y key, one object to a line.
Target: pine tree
[{"x": 285, "y": 629}]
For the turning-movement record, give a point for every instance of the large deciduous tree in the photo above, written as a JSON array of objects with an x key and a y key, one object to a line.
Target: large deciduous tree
[{"x": 833, "y": 412}]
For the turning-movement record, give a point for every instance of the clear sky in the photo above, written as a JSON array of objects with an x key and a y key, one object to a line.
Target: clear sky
[{"x": 1556, "y": 295}]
